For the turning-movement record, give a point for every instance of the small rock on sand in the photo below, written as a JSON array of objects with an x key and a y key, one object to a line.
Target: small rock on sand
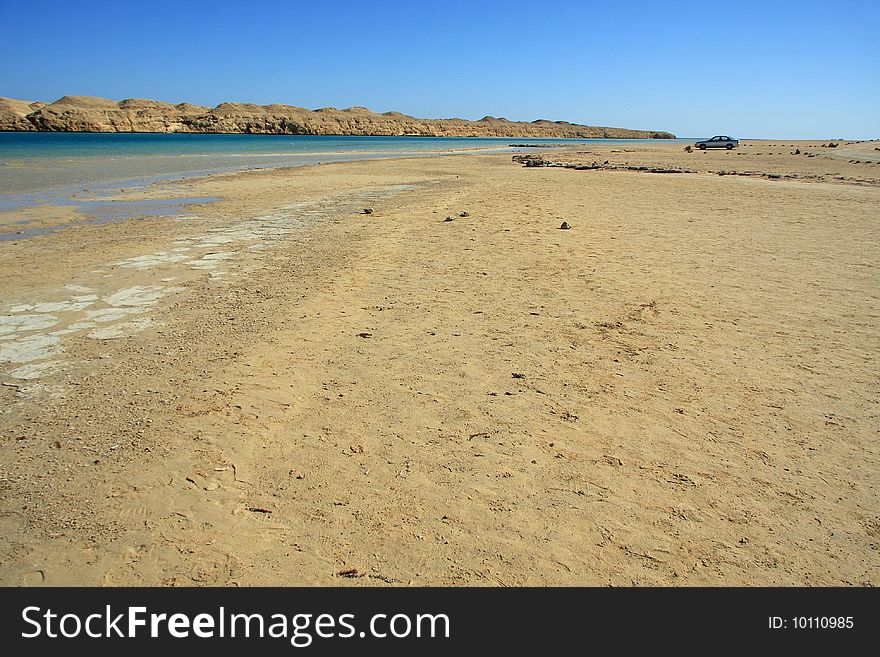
[
  {"x": 449, "y": 219},
  {"x": 565, "y": 226}
]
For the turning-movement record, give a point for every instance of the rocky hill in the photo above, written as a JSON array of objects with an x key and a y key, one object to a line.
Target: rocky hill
[{"x": 89, "y": 114}]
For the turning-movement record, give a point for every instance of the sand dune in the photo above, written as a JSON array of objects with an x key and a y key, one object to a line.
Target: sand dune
[{"x": 90, "y": 114}]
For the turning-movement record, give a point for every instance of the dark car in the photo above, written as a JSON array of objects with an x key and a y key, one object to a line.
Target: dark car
[{"x": 718, "y": 142}]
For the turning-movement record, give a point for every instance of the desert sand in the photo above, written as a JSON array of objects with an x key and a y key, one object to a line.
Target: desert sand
[{"x": 680, "y": 390}]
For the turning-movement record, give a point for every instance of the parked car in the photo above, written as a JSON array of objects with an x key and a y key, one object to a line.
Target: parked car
[{"x": 717, "y": 142}]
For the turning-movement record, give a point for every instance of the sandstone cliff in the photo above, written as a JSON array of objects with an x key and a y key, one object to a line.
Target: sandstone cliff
[{"x": 89, "y": 114}]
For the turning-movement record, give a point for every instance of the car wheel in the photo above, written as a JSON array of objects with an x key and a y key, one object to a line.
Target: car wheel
[
  {"x": 729, "y": 146},
  {"x": 702, "y": 147}
]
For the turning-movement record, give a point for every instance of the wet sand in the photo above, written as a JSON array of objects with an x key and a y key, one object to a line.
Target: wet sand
[{"x": 680, "y": 390}]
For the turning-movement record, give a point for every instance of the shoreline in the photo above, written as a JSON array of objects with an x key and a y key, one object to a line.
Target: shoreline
[
  {"x": 107, "y": 187},
  {"x": 57, "y": 199},
  {"x": 695, "y": 407}
]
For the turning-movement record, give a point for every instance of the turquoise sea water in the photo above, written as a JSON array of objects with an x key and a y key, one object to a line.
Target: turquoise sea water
[
  {"x": 31, "y": 163},
  {"x": 84, "y": 170}
]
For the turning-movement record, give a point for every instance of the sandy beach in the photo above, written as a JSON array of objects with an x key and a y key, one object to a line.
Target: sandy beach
[{"x": 279, "y": 389}]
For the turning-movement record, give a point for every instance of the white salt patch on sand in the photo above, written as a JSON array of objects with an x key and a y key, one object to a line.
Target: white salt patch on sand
[
  {"x": 51, "y": 306},
  {"x": 34, "y": 370},
  {"x": 17, "y": 323},
  {"x": 140, "y": 295},
  {"x": 152, "y": 260},
  {"x": 104, "y": 315},
  {"x": 42, "y": 390},
  {"x": 216, "y": 240},
  {"x": 107, "y": 315},
  {"x": 66, "y": 331},
  {"x": 30, "y": 348},
  {"x": 62, "y": 306},
  {"x": 85, "y": 297},
  {"x": 227, "y": 236},
  {"x": 78, "y": 288},
  {"x": 211, "y": 260},
  {"x": 121, "y": 330},
  {"x": 80, "y": 326}
]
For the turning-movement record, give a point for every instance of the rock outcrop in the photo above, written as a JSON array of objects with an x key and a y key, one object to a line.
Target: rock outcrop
[
  {"x": 90, "y": 114},
  {"x": 13, "y": 114}
]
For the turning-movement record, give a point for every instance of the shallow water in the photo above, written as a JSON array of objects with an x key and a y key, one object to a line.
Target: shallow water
[
  {"x": 101, "y": 212},
  {"x": 34, "y": 162},
  {"x": 86, "y": 169}
]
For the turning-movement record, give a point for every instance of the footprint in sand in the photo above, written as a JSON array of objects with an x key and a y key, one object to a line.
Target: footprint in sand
[{"x": 33, "y": 578}]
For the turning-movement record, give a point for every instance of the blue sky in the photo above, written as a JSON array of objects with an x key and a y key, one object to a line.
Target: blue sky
[{"x": 751, "y": 69}]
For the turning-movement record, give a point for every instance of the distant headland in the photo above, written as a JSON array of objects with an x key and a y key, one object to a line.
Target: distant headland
[{"x": 90, "y": 114}]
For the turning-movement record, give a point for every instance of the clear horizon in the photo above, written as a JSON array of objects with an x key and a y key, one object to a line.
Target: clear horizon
[{"x": 787, "y": 71}]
